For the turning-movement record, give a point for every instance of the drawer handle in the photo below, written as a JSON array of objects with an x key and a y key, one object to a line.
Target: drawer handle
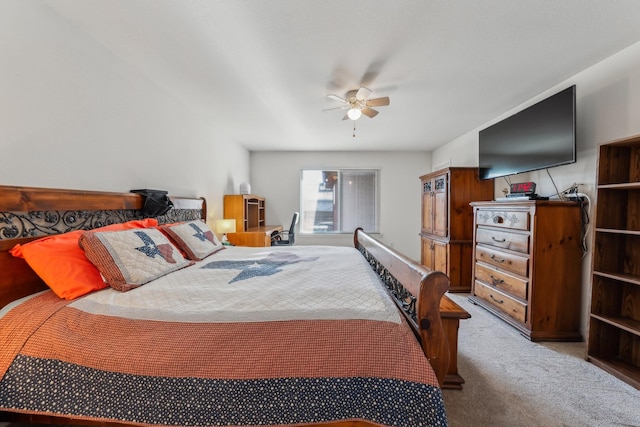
[
  {"x": 493, "y": 257},
  {"x": 498, "y": 219},
  {"x": 498, "y": 240},
  {"x": 495, "y": 280},
  {"x": 499, "y": 301}
]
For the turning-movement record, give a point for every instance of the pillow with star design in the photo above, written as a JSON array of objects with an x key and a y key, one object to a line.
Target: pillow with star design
[
  {"x": 63, "y": 265},
  {"x": 194, "y": 238},
  {"x": 130, "y": 258}
]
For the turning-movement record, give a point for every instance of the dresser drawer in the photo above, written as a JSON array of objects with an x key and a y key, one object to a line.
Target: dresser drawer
[
  {"x": 503, "y": 281},
  {"x": 502, "y": 260},
  {"x": 503, "y": 239},
  {"x": 517, "y": 220},
  {"x": 501, "y": 301}
]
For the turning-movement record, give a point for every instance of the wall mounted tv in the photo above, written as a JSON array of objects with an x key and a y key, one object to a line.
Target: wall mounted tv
[{"x": 538, "y": 137}]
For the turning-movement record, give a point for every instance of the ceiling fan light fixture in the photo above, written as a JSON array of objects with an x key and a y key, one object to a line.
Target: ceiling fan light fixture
[{"x": 354, "y": 113}]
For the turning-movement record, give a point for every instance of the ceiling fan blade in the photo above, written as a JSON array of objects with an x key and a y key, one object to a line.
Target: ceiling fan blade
[
  {"x": 342, "y": 107},
  {"x": 362, "y": 93},
  {"x": 369, "y": 112},
  {"x": 337, "y": 98},
  {"x": 378, "y": 102}
]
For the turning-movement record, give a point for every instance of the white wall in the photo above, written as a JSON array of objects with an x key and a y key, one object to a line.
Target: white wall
[
  {"x": 276, "y": 176},
  {"x": 74, "y": 115},
  {"x": 608, "y": 108}
]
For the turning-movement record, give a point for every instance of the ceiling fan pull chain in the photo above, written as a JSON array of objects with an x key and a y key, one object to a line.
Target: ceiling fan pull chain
[{"x": 354, "y": 128}]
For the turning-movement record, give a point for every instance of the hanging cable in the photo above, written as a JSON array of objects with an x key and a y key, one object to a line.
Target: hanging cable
[
  {"x": 585, "y": 203},
  {"x": 560, "y": 195}
]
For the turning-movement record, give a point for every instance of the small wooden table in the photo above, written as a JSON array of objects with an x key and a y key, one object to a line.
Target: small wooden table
[{"x": 451, "y": 313}]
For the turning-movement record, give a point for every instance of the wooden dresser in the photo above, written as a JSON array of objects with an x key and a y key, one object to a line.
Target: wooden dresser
[
  {"x": 528, "y": 265},
  {"x": 447, "y": 222}
]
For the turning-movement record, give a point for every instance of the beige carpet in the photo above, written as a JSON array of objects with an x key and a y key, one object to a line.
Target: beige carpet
[{"x": 511, "y": 381}]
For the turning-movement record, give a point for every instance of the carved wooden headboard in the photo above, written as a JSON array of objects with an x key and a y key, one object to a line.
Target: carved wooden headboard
[{"x": 28, "y": 213}]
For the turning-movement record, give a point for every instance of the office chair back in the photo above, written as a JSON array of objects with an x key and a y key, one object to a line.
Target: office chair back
[
  {"x": 277, "y": 238},
  {"x": 294, "y": 221}
]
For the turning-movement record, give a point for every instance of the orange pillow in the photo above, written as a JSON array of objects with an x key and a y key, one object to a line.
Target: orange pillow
[{"x": 62, "y": 264}]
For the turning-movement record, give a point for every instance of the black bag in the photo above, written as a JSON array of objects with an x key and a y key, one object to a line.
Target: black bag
[{"x": 156, "y": 202}]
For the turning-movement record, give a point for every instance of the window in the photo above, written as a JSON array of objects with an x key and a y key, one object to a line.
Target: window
[{"x": 338, "y": 201}]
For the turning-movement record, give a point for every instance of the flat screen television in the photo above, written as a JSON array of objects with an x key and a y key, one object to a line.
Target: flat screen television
[{"x": 538, "y": 137}]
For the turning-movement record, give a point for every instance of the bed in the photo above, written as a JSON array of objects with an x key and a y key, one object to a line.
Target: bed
[{"x": 302, "y": 335}]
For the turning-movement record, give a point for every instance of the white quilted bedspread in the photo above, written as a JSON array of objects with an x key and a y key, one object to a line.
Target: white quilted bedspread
[{"x": 256, "y": 284}]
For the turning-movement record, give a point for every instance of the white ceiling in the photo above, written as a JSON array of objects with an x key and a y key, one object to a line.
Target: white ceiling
[{"x": 260, "y": 70}]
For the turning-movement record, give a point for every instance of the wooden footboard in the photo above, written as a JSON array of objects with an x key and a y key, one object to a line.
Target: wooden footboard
[{"x": 417, "y": 291}]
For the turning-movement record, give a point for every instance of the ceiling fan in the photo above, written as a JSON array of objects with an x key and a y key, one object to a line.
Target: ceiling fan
[{"x": 356, "y": 102}]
